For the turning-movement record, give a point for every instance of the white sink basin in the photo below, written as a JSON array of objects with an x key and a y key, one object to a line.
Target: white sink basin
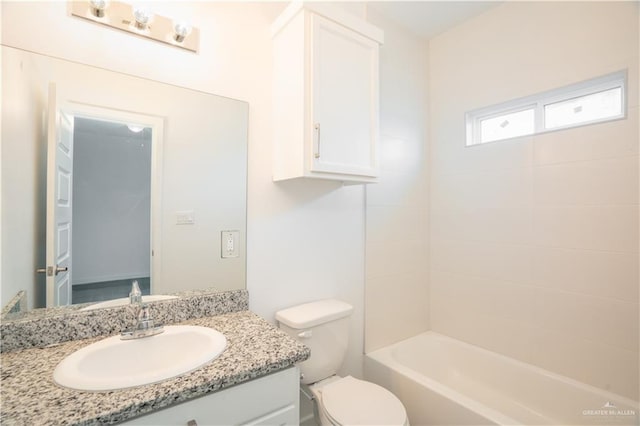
[
  {"x": 125, "y": 301},
  {"x": 114, "y": 363}
]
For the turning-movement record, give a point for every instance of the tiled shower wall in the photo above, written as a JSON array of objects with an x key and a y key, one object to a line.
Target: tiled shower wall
[
  {"x": 534, "y": 241},
  {"x": 396, "y": 209}
]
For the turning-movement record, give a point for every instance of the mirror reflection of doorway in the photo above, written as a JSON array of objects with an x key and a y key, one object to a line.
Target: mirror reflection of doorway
[
  {"x": 103, "y": 196},
  {"x": 111, "y": 228}
]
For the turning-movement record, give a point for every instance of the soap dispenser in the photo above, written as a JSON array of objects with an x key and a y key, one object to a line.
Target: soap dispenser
[{"x": 135, "y": 297}]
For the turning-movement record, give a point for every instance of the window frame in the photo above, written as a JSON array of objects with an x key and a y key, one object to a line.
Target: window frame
[{"x": 538, "y": 102}]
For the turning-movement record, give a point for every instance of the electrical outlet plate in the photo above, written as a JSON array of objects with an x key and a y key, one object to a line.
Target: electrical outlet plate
[{"x": 230, "y": 241}]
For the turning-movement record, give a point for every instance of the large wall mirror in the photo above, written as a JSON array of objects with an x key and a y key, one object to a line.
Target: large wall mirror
[{"x": 109, "y": 178}]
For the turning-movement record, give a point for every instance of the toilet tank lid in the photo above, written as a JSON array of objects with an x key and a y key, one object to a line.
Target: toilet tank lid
[{"x": 314, "y": 313}]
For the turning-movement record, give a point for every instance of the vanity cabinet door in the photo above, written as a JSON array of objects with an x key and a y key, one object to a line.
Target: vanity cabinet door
[
  {"x": 269, "y": 400},
  {"x": 344, "y": 100}
]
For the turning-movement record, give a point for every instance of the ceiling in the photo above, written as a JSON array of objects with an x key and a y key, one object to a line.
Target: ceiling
[
  {"x": 108, "y": 128},
  {"x": 430, "y": 18}
]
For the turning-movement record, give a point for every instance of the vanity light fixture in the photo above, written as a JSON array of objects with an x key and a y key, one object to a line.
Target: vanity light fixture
[
  {"x": 98, "y": 7},
  {"x": 135, "y": 128},
  {"x": 181, "y": 31},
  {"x": 138, "y": 20},
  {"x": 142, "y": 18}
]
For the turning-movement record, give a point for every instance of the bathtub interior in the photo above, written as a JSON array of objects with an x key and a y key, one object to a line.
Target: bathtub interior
[{"x": 501, "y": 390}]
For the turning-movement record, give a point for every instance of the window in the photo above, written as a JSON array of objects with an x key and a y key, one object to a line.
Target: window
[
  {"x": 584, "y": 109},
  {"x": 509, "y": 125},
  {"x": 597, "y": 100}
]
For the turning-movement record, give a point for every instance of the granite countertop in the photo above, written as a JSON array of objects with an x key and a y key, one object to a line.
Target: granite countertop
[{"x": 30, "y": 397}]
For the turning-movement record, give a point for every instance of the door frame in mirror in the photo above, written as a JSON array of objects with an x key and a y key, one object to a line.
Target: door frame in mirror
[{"x": 96, "y": 112}]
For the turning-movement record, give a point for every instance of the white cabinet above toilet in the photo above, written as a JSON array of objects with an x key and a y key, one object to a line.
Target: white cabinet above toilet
[{"x": 325, "y": 95}]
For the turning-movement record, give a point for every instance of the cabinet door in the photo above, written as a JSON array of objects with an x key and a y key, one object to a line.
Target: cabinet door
[
  {"x": 288, "y": 415},
  {"x": 268, "y": 400},
  {"x": 344, "y": 90}
]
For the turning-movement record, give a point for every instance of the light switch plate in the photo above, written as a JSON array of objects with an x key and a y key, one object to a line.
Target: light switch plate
[{"x": 186, "y": 217}]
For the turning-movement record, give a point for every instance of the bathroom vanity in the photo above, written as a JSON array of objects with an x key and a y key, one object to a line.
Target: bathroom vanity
[
  {"x": 268, "y": 400},
  {"x": 254, "y": 381}
]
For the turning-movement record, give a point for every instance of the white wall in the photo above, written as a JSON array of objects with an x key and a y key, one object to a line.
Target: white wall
[
  {"x": 396, "y": 295},
  {"x": 111, "y": 206},
  {"x": 23, "y": 207},
  {"x": 534, "y": 241},
  {"x": 12, "y": 290},
  {"x": 305, "y": 239}
]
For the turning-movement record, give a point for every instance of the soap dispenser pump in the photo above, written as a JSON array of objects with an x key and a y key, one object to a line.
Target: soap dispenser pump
[{"x": 135, "y": 297}]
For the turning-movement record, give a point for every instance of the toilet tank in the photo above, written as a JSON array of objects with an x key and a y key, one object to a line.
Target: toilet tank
[{"x": 323, "y": 326}]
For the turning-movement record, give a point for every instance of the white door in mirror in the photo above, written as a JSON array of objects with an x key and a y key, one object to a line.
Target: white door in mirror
[
  {"x": 59, "y": 202},
  {"x": 113, "y": 363}
]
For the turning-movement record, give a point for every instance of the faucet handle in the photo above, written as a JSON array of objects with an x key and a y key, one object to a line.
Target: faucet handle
[
  {"x": 144, "y": 327},
  {"x": 144, "y": 314},
  {"x": 145, "y": 321}
]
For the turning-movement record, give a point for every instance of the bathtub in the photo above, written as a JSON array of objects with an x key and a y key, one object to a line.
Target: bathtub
[{"x": 443, "y": 381}]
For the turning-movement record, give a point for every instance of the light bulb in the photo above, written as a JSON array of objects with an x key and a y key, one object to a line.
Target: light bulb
[
  {"x": 182, "y": 30},
  {"x": 134, "y": 128},
  {"x": 142, "y": 16},
  {"x": 98, "y": 7}
]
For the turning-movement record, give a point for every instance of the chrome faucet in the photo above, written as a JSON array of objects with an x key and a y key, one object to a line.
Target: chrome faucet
[{"x": 144, "y": 327}]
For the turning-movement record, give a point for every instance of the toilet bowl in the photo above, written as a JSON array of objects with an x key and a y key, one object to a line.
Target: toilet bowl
[
  {"x": 323, "y": 326},
  {"x": 350, "y": 401}
]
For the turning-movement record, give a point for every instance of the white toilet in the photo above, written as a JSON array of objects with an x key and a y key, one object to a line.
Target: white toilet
[{"x": 323, "y": 326}]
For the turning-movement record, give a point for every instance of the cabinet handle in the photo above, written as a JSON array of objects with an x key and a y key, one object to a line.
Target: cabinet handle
[
  {"x": 317, "y": 127},
  {"x": 192, "y": 422}
]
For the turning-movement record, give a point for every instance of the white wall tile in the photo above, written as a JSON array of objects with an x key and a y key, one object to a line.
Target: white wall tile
[
  {"x": 465, "y": 294},
  {"x": 588, "y": 360},
  {"x": 484, "y": 296},
  {"x": 397, "y": 307},
  {"x": 502, "y": 188},
  {"x": 394, "y": 223},
  {"x": 503, "y": 262},
  {"x": 398, "y": 189},
  {"x": 597, "y": 141},
  {"x": 401, "y": 155},
  {"x": 495, "y": 225},
  {"x": 534, "y": 241},
  {"x": 390, "y": 258},
  {"x": 548, "y": 45},
  {"x": 608, "y": 274},
  {"x": 454, "y": 157},
  {"x": 396, "y": 208},
  {"x": 605, "y": 181},
  {"x": 510, "y": 338},
  {"x": 603, "y": 227},
  {"x": 608, "y": 321}
]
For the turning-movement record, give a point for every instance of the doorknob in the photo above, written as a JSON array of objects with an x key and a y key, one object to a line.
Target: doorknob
[{"x": 49, "y": 270}]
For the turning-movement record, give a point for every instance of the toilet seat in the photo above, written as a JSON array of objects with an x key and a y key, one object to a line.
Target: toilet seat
[{"x": 350, "y": 401}]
